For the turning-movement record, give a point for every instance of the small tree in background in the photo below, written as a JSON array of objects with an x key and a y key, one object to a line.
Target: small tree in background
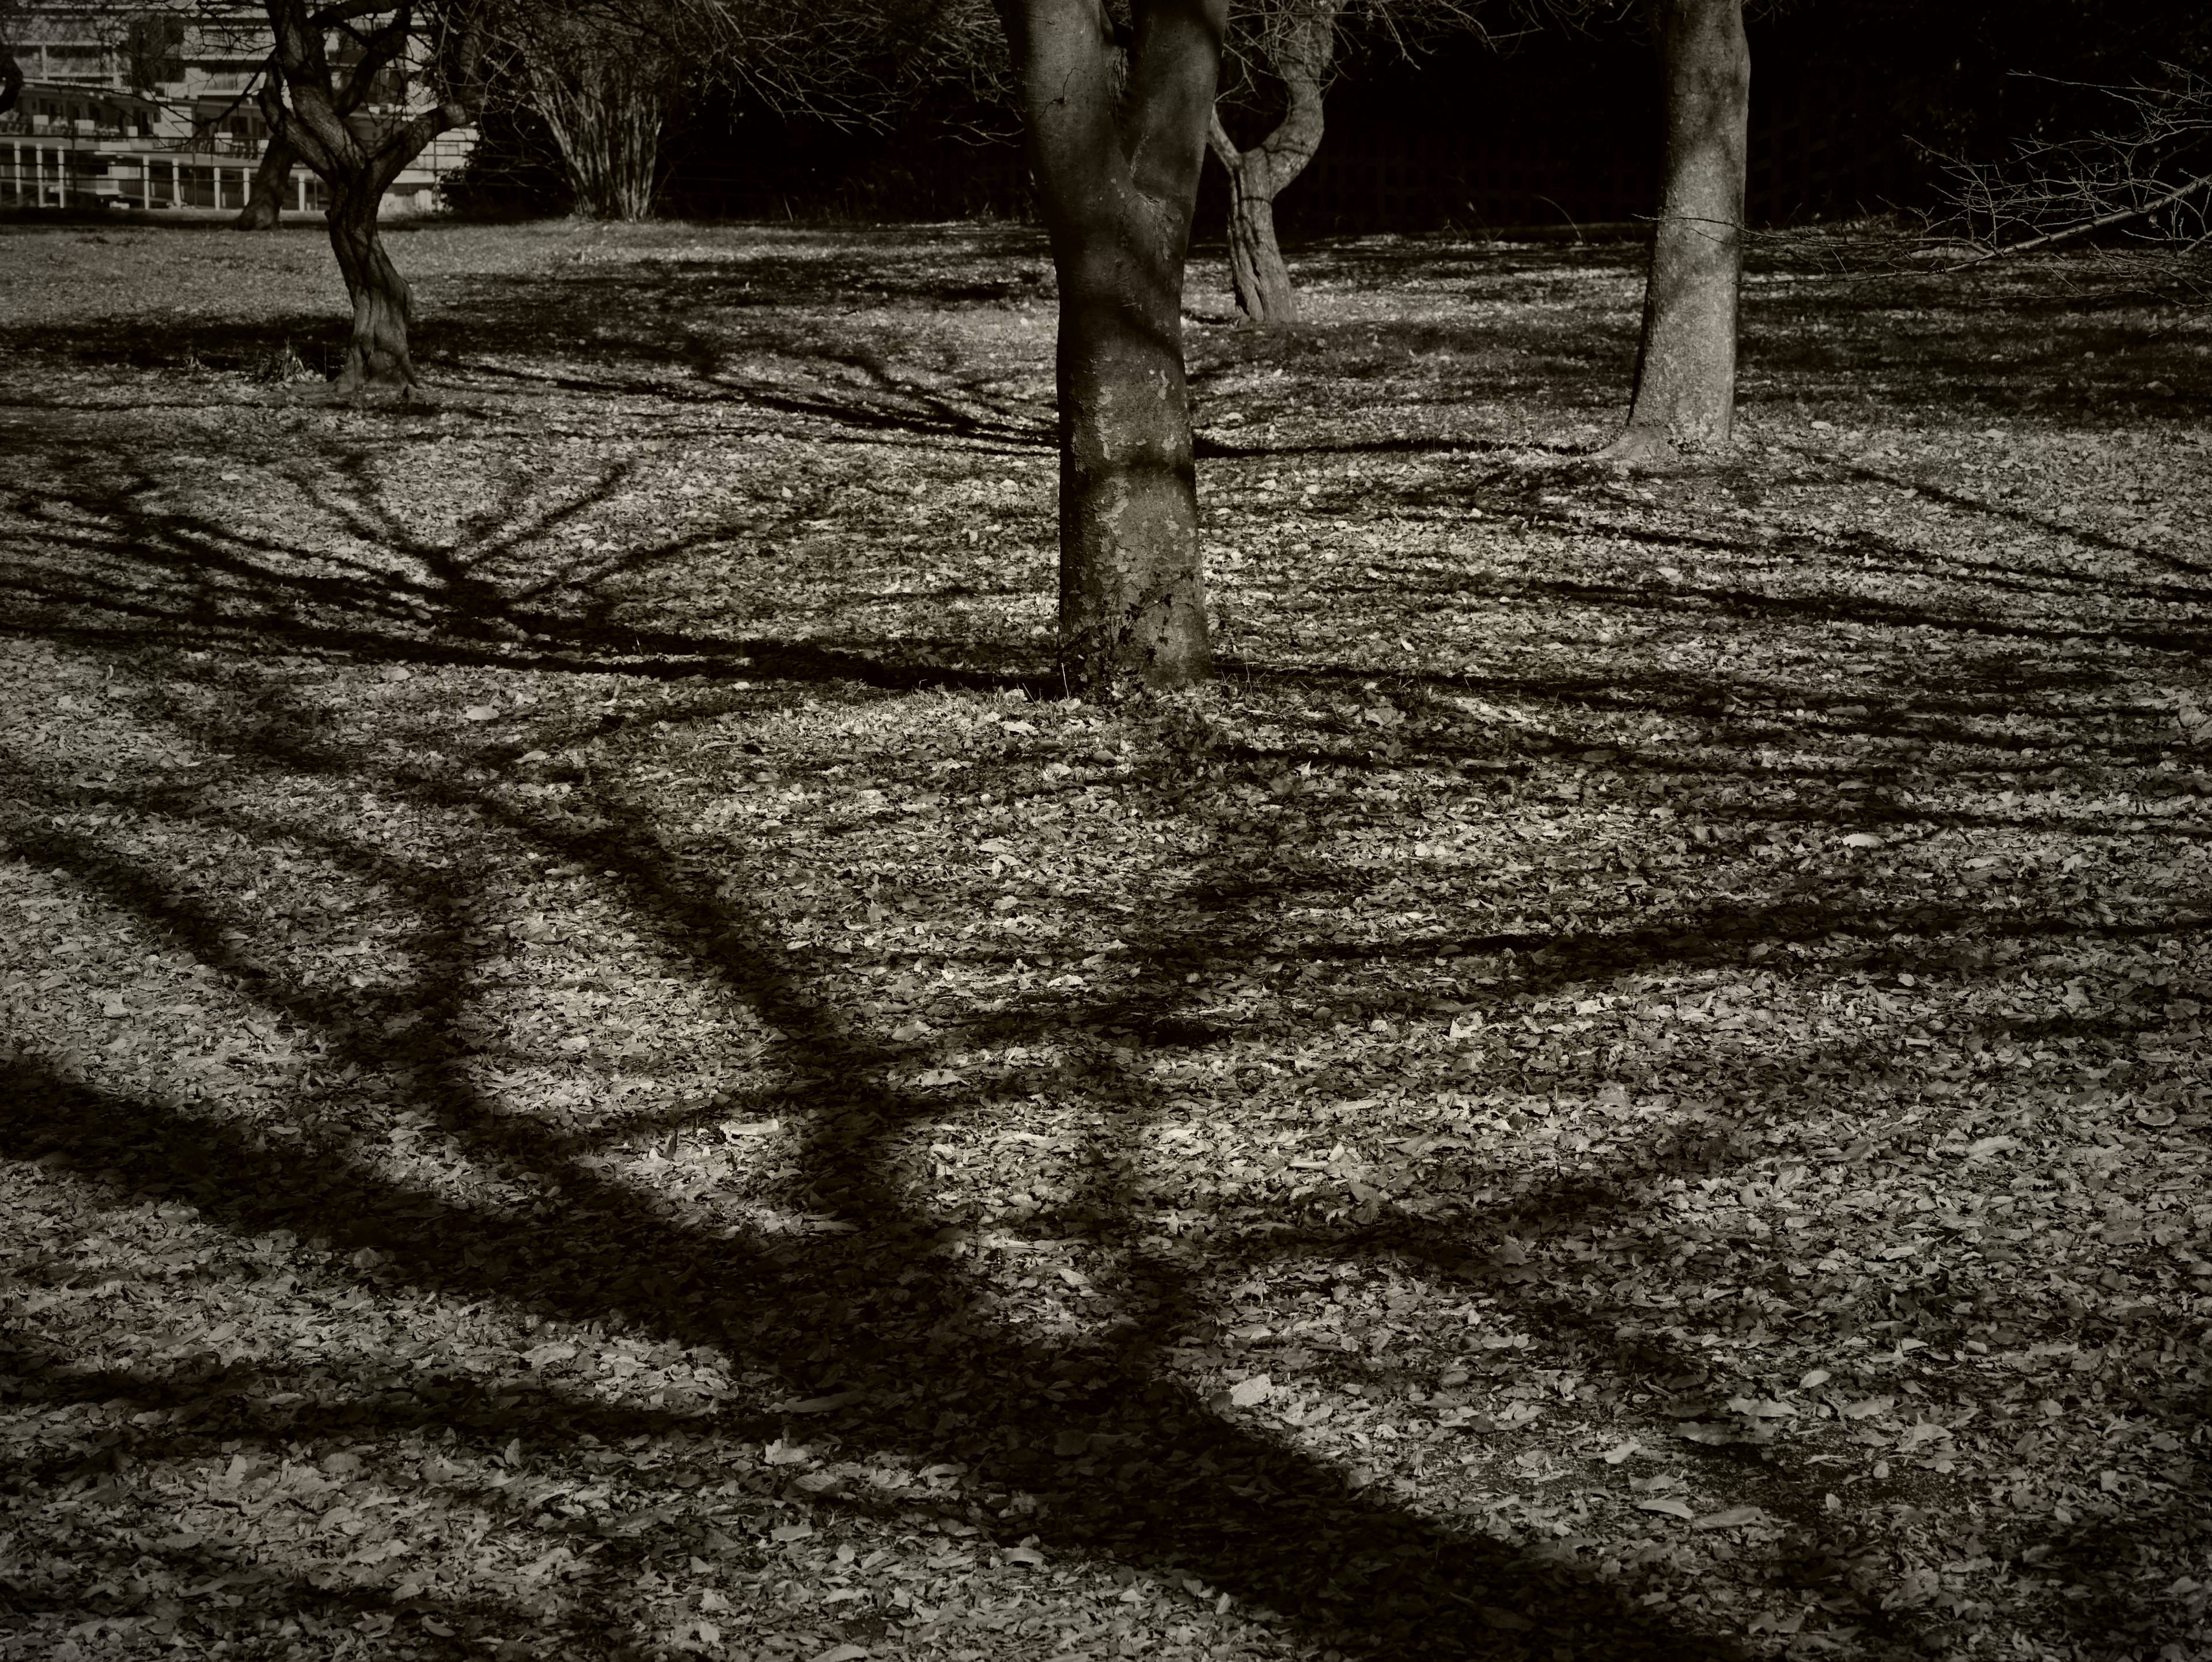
[
  {"x": 1685, "y": 396},
  {"x": 326, "y": 112},
  {"x": 1296, "y": 40},
  {"x": 602, "y": 85}
]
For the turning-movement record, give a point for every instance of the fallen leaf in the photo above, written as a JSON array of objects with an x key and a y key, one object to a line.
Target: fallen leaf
[
  {"x": 1672, "y": 1508},
  {"x": 1733, "y": 1517},
  {"x": 1248, "y": 1391},
  {"x": 821, "y": 1404},
  {"x": 1761, "y": 1410}
]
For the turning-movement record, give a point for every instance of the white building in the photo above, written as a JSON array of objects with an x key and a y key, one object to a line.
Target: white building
[{"x": 122, "y": 108}]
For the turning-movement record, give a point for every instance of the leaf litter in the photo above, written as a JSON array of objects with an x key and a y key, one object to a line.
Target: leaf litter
[{"x": 601, "y": 1065}]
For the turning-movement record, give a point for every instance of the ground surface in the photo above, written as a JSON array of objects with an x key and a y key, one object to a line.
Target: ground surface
[{"x": 598, "y": 1065}]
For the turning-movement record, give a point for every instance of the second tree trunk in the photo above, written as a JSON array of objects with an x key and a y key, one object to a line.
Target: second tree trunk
[
  {"x": 1298, "y": 49},
  {"x": 1686, "y": 371},
  {"x": 272, "y": 180}
]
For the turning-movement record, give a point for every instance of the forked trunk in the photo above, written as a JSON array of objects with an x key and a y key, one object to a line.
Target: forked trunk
[
  {"x": 376, "y": 356},
  {"x": 1116, "y": 157},
  {"x": 272, "y": 183},
  {"x": 1300, "y": 54},
  {"x": 1686, "y": 371}
]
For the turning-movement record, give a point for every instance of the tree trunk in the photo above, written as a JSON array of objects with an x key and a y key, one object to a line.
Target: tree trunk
[
  {"x": 383, "y": 306},
  {"x": 272, "y": 183},
  {"x": 1299, "y": 55},
  {"x": 1117, "y": 168},
  {"x": 1685, "y": 395}
]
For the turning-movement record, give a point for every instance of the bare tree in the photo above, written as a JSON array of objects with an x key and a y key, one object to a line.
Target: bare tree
[
  {"x": 1685, "y": 396},
  {"x": 852, "y": 62},
  {"x": 1117, "y": 118},
  {"x": 325, "y": 112},
  {"x": 1296, "y": 42},
  {"x": 2145, "y": 181},
  {"x": 601, "y": 83}
]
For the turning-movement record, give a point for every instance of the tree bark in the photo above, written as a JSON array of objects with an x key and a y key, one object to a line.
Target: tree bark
[
  {"x": 383, "y": 305},
  {"x": 272, "y": 181},
  {"x": 1685, "y": 397},
  {"x": 1117, "y": 161},
  {"x": 1300, "y": 54}
]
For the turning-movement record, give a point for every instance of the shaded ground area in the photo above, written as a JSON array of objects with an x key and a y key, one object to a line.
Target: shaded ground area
[{"x": 597, "y": 1064}]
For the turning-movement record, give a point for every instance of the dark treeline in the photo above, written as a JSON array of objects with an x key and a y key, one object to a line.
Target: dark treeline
[{"x": 1854, "y": 107}]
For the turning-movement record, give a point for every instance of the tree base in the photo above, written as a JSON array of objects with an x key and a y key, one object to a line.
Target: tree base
[
  {"x": 383, "y": 392},
  {"x": 1653, "y": 450}
]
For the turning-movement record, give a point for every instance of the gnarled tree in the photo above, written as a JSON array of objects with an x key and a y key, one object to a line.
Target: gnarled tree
[
  {"x": 327, "y": 111},
  {"x": 1117, "y": 116},
  {"x": 1685, "y": 397},
  {"x": 1297, "y": 40}
]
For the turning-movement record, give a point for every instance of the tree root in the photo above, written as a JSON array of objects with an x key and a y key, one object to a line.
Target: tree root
[
  {"x": 1641, "y": 450},
  {"x": 381, "y": 393}
]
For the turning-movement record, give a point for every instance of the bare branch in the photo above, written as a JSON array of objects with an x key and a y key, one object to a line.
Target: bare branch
[{"x": 2145, "y": 174}]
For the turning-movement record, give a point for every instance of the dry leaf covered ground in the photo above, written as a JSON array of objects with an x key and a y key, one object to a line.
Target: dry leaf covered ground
[{"x": 598, "y": 1065}]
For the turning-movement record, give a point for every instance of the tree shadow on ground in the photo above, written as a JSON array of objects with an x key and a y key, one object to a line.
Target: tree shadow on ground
[
  {"x": 1170, "y": 1480},
  {"x": 1134, "y": 1465}
]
